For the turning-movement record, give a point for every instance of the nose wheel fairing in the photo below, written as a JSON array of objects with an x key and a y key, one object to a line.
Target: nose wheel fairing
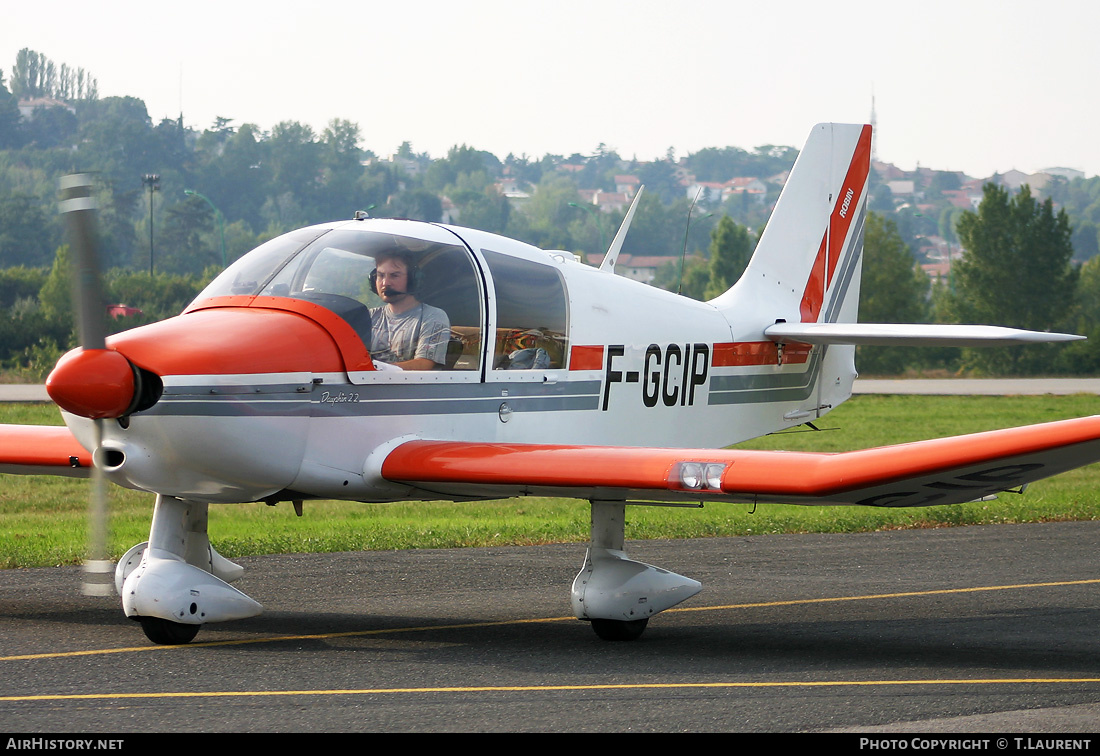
[{"x": 178, "y": 577}]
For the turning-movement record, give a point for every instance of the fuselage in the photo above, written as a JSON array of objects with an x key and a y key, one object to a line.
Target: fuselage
[{"x": 269, "y": 390}]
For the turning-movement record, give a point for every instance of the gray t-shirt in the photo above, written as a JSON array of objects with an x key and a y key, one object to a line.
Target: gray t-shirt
[{"x": 422, "y": 331}]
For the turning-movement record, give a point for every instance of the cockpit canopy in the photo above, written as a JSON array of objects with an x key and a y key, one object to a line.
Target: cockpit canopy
[{"x": 334, "y": 267}]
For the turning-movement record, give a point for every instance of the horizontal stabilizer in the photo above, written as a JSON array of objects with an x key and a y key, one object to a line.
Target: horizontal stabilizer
[{"x": 909, "y": 334}]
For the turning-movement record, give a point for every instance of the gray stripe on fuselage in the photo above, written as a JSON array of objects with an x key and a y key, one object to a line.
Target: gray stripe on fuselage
[
  {"x": 454, "y": 406},
  {"x": 403, "y": 391},
  {"x": 260, "y": 389},
  {"x": 338, "y": 400},
  {"x": 760, "y": 387},
  {"x": 454, "y": 398}
]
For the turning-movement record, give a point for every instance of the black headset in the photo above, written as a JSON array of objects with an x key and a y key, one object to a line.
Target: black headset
[{"x": 412, "y": 272}]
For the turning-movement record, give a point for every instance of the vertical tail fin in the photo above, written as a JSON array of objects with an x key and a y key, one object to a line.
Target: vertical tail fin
[{"x": 806, "y": 266}]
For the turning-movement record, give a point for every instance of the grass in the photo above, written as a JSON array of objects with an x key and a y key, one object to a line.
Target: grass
[{"x": 42, "y": 518}]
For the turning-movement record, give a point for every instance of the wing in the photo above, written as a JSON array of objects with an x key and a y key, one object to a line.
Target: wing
[
  {"x": 940, "y": 471},
  {"x": 42, "y": 450}
]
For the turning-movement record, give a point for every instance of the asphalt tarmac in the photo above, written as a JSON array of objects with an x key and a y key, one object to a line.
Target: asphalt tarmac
[{"x": 977, "y": 629}]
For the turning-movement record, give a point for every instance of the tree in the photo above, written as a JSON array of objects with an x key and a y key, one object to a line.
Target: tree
[
  {"x": 341, "y": 159},
  {"x": 295, "y": 157},
  {"x": 486, "y": 210},
  {"x": 658, "y": 229},
  {"x": 1015, "y": 272},
  {"x": 33, "y": 75},
  {"x": 546, "y": 218},
  {"x": 687, "y": 277},
  {"x": 416, "y": 204},
  {"x": 10, "y": 135},
  {"x": 722, "y": 164},
  {"x": 731, "y": 247},
  {"x": 51, "y": 127},
  {"x": 55, "y": 296},
  {"x": 1083, "y": 357},
  {"x": 461, "y": 161},
  {"x": 235, "y": 173},
  {"x": 116, "y": 139},
  {"x": 660, "y": 180},
  {"x": 181, "y": 248},
  {"x": 893, "y": 289},
  {"x": 1086, "y": 241},
  {"x": 25, "y": 236}
]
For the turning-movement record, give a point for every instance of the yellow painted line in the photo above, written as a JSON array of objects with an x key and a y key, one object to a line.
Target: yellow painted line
[
  {"x": 906, "y": 594},
  {"x": 500, "y": 623},
  {"x": 282, "y": 638},
  {"x": 551, "y": 688}
]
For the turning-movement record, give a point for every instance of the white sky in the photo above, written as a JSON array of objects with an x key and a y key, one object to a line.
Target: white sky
[{"x": 962, "y": 85}]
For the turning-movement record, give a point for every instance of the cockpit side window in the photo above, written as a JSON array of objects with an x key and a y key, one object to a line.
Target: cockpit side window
[
  {"x": 449, "y": 281},
  {"x": 532, "y": 314}
]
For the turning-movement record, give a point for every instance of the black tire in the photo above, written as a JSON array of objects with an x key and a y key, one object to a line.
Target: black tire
[
  {"x": 619, "y": 630},
  {"x": 167, "y": 633}
]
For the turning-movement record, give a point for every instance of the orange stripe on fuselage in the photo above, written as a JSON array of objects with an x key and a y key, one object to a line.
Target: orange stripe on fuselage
[
  {"x": 742, "y": 353},
  {"x": 586, "y": 358},
  {"x": 730, "y": 354}
]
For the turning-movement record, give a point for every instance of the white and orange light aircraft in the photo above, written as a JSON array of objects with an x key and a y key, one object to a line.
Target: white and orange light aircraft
[{"x": 561, "y": 379}]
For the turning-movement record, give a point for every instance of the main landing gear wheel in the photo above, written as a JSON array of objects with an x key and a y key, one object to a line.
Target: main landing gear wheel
[
  {"x": 619, "y": 630},
  {"x": 168, "y": 633}
]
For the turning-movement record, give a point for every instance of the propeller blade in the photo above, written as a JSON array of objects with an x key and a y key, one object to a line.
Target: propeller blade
[
  {"x": 78, "y": 207},
  {"x": 98, "y": 568}
]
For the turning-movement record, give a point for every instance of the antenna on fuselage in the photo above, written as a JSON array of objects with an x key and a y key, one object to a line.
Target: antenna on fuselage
[
  {"x": 684, "y": 252},
  {"x": 612, "y": 255}
]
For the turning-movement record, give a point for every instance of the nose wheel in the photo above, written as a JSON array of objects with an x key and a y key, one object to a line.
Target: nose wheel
[
  {"x": 167, "y": 633},
  {"x": 619, "y": 630}
]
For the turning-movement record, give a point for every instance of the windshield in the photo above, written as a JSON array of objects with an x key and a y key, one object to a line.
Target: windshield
[{"x": 245, "y": 276}]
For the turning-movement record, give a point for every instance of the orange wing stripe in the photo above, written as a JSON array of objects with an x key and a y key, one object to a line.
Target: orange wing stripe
[
  {"x": 41, "y": 446},
  {"x": 795, "y": 474}
]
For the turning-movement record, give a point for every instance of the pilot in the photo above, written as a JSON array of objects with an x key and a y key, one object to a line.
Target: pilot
[{"x": 404, "y": 331}]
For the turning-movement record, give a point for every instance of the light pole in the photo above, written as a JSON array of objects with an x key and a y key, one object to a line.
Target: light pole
[
  {"x": 599, "y": 226},
  {"x": 217, "y": 214},
  {"x": 151, "y": 180}
]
